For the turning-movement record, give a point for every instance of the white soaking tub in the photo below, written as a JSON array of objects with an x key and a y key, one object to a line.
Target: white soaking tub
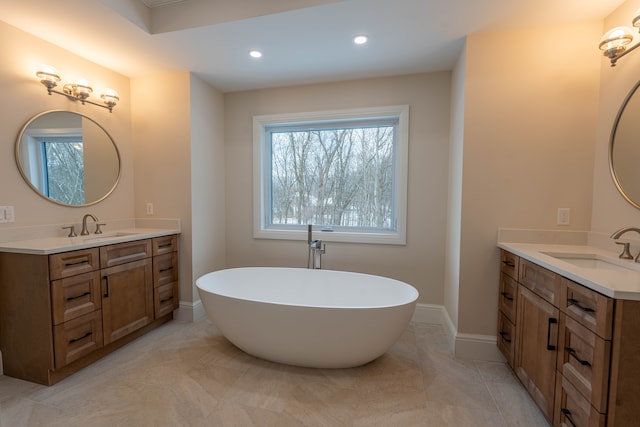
[{"x": 311, "y": 318}]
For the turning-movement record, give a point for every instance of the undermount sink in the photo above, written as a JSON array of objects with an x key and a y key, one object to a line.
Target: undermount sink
[
  {"x": 590, "y": 260},
  {"x": 101, "y": 237}
]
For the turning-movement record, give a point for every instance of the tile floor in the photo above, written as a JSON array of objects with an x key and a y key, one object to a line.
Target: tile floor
[{"x": 186, "y": 374}]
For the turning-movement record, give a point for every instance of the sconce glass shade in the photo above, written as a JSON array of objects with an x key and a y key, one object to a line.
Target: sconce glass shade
[
  {"x": 110, "y": 97},
  {"x": 614, "y": 41},
  {"x": 48, "y": 76},
  {"x": 636, "y": 19},
  {"x": 82, "y": 89}
]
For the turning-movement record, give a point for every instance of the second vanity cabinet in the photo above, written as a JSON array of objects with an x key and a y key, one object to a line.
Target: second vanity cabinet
[
  {"x": 61, "y": 312},
  {"x": 576, "y": 351}
]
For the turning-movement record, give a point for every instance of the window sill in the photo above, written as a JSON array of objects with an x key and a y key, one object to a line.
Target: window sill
[{"x": 333, "y": 236}]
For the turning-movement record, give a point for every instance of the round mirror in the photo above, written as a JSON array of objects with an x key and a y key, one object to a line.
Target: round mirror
[
  {"x": 624, "y": 150},
  {"x": 68, "y": 158}
]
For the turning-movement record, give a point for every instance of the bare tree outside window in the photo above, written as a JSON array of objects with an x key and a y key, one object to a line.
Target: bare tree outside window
[
  {"x": 64, "y": 167},
  {"x": 338, "y": 177}
]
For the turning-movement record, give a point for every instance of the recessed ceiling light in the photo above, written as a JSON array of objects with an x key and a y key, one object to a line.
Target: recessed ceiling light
[
  {"x": 255, "y": 53},
  {"x": 361, "y": 39}
]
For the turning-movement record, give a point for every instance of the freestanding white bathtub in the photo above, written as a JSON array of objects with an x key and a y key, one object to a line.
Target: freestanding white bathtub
[{"x": 311, "y": 318}]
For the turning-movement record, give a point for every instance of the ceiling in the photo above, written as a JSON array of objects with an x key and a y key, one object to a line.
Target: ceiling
[{"x": 303, "y": 41}]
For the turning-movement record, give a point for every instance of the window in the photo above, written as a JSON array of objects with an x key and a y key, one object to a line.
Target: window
[{"x": 343, "y": 171}]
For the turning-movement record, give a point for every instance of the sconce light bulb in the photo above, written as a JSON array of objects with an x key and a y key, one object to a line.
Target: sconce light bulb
[
  {"x": 110, "y": 97},
  {"x": 48, "y": 76},
  {"x": 616, "y": 38}
]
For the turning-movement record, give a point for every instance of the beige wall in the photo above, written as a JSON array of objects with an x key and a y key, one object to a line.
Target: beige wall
[
  {"x": 207, "y": 179},
  {"x": 162, "y": 148},
  {"x": 610, "y": 210},
  {"x": 24, "y": 97},
  {"x": 421, "y": 261},
  {"x": 179, "y": 157},
  {"x": 454, "y": 209},
  {"x": 530, "y": 111}
]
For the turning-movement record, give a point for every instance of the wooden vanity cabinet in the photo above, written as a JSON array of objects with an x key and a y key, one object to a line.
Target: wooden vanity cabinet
[
  {"x": 61, "y": 312},
  {"x": 166, "y": 296},
  {"x": 577, "y": 351},
  {"x": 536, "y": 348}
]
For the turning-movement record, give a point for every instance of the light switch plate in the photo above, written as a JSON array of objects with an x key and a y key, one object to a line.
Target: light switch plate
[{"x": 7, "y": 214}]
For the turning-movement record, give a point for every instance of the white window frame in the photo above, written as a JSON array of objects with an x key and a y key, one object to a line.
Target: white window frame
[{"x": 261, "y": 168}]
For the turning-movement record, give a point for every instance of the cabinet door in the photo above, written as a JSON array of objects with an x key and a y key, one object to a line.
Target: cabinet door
[
  {"x": 127, "y": 298},
  {"x": 536, "y": 348}
]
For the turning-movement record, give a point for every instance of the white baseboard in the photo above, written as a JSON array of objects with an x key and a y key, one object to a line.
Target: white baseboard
[
  {"x": 429, "y": 313},
  {"x": 190, "y": 311},
  {"x": 464, "y": 346}
]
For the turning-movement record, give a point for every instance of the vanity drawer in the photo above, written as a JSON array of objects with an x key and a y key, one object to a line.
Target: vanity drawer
[
  {"x": 77, "y": 338},
  {"x": 165, "y": 299},
  {"x": 571, "y": 409},
  {"x": 506, "y": 337},
  {"x": 509, "y": 264},
  {"x": 165, "y": 269},
  {"x": 583, "y": 359},
  {"x": 74, "y": 296},
  {"x": 593, "y": 310},
  {"x": 544, "y": 283},
  {"x": 165, "y": 244},
  {"x": 122, "y": 253},
  {"x": 508, "y": 293},
  {"x": 69, "y": 264}
]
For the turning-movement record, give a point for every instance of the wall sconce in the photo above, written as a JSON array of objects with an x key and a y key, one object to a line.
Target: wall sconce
[
  {"x": 78, "y": 91},
  {"x": 614, "y": 42}
]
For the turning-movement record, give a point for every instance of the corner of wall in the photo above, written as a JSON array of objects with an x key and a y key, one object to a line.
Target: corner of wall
[
  {"x": 190, "y": 311},
  {"x": 463, "y": 346}
]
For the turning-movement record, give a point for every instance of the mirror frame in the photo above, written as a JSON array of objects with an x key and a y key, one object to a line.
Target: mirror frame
[
  {"x": 634, "y": 91},
  {"x": 35, "y": 189}
]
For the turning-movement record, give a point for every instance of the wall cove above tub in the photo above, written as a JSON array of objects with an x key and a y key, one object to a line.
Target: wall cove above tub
[{"x": 310, "y": 318}]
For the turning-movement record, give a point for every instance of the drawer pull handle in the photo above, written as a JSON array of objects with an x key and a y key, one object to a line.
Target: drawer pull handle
[
  {"x": 166, "y": 245},
  {"x": 505, "y": 337},
  {"x": 79, "y": 296},
  {"x": 567, "y": 416},
  {"x": 509, "y": 263},
  {"x": 552, "y": 320},
  {"x": 166, "y": 299},
  {"x": 76, "y": 263},
  {"x": 573, "y": 354},
  {"x": 88, "y": 334},
  {"x": 162, "y": 270},
  {"x": 106, "y": 288},
  {"x": 575, "y": 302},
  {"x": 506, "y": 296}
]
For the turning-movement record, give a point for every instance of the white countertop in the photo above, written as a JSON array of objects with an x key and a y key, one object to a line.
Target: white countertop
[
  {"x": 52, "y": 245},
  {"x": 621, "y": 284}
]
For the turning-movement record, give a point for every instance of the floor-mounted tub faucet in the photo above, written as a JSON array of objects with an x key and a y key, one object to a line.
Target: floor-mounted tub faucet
[{"x": 316, "y": 249}]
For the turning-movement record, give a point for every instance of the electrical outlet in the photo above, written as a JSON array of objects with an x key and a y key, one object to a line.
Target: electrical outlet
[
  {"x": 564, "y": 216},
  {"x": 149, "y": 208},
  {"x": 7, "y": 214}
]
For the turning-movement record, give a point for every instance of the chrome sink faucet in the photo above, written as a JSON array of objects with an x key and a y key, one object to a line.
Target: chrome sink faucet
[
  {"x": 625, "y": 253},
  {"x": 85, "y": 231},
  {"x": 316, "y": 250}
]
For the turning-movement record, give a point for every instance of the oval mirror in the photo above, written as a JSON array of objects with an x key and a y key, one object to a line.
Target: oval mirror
[
  {"x": 68, "y": 158},
  {"x": 624, "y": 149}
]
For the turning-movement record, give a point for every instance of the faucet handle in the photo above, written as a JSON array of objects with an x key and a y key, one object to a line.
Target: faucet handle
[
  {"x": 98, "y": 225},
  {"x": 625, "y": 251},
  {"x": 72, "y": 231}
]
